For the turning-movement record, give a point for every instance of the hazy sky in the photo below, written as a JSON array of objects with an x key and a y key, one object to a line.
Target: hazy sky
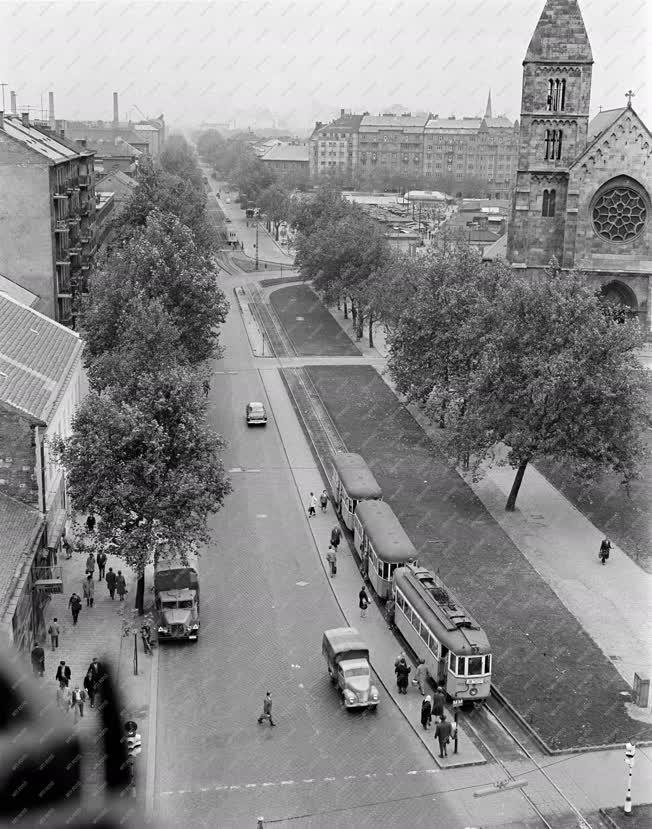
[{"x": 198, "y": 61}]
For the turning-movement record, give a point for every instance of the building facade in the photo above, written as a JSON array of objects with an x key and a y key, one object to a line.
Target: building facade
[
  {"x": 334, "y": 146},
  {"x": 40, "y": 388},
  {"x": 47, "y": 215},
  {"x": 287, "y": 158},
  {"x": 583, "y": 189}
]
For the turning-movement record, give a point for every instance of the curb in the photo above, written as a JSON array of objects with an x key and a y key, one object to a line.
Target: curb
[{"x": 150, "y": 778}]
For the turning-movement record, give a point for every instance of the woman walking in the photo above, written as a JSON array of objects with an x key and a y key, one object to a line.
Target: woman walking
[
  {"x": 402, "y": 671},
  {"x": 426, "y": 712},
  {"x": 121, "y": 585},
  {"x": 75, "y": 605},
  {"x": 363, "y": 602}
]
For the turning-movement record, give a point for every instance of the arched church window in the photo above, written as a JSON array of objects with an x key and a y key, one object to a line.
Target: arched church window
[
  {"x": 619, "y": 213},
  {"x": 553, "y": 145},
  {"x": 556, "y": 98},
  {"x": 548, "y": 207}
]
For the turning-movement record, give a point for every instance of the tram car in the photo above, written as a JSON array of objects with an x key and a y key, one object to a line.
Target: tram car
[
  {"x": 439, "y": 630},
  {"x": 382, "y": 543},
  {"x": 352, "y": 482}
]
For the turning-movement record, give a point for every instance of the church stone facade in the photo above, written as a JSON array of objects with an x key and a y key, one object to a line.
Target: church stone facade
[{"x": 582, "y": 192}]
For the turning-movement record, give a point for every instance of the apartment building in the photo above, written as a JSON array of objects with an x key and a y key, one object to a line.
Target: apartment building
[
  {"x": 392, "y": 143},
  {"x": 333, "y": 148},
  {"x": 47, "y": 215}
]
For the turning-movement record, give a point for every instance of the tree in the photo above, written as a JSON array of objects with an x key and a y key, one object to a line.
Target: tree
[
  {"x": 178, "y": 159},
  {"x": 558, "y": 379},
  {"x": 211, "y": 146},
  {"x": 160, "y": 261},
  {"x": 142, "y": 460},
  {"x": 275, "y": 202}
]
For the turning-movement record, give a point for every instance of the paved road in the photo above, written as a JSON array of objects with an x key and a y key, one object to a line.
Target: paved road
[{"x": 265, "y": 604}]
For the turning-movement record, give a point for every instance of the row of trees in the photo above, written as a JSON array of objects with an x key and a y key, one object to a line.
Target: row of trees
[
  {"x": 141, "y": 457},
  {"x": 513, "y": 369}
]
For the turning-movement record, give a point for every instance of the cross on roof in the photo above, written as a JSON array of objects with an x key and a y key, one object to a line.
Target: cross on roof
[{"x": 629, "y": 95}]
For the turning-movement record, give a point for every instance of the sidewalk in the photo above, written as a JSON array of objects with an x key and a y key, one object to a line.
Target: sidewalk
[
  {"x": 346, "y": 585},
  {"x": 612, "y": 603},
  {"x": 99, "y": 633}
]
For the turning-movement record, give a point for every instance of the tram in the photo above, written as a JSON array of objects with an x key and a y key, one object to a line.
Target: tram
[
  {"x": 352, "y": 482},
  {"x": 382, "y": 543},
  {"x": 439, "y": 630}
]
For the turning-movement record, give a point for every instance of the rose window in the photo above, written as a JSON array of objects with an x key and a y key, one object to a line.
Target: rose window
[{"x": 619, "y": 214}]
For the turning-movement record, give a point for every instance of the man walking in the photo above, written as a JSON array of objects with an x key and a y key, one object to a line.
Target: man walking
[
  {"x": 75, "y": 605},
  {"x": 38, "y": 660},
  {"x": 438, "y": 700},
  {"x": 90, "y": 523},
  {"x": 267, "y": 710},
  {"x": 605, "y": 549},
  {"x": 111, "y": 580},
  {"x": 89, "y": 590},
  {"x": 63, "y": 674},
  {"x": 95, "y": 674},
  {"x": 90, "y": 564},
  {"x": 101, "y": 565},
  {"x": 443, "y": 733},
  {"x": 54, "y": 631},
  {"x": 331, "y": 558},
  {"x": 363, "y": 602},
  {"x": 336, "y": 536},
  {"x": 421, "y": 676},
  {"x": 323, "y": 501},
  {"x": 121, "y": 585},
  {"x": 312, "y": 505},
  {"x": 77, "y": 699},
  {"x": 207, "y": 388}
]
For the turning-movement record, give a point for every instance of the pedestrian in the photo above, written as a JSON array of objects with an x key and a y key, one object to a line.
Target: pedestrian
[
  {"x": 63, "y": 674},
  {"x": 443, "y": 733},
  {"x": 438, "y": 701},
  {"x": 400, "y": 658},
  {"x": 363, "y": 602},
  {"x": 426, "y": 712},
  {"x": 267, "y": 710},
  {"x": 90, "y": 523},
  {"x": 331, "y": 558},
  {"x": 336, "y": 537},
  {"x": 89, "y": 590},
  {"x": 121, "y": 585},
  {"x": 421, "y": 676},
  {"x": 67, "y": 547},
  {"x": 90, "y": 564},
  {"x": 312, "y": 505},
  {"x": 101, "y": 565},
  {"x": 75, "y": 605},
  {"x": 38, "y": 659},
  {"x": 97, "y": 674},
  {"x": 77, "y": 699},
  {"x": 111, "y": 580},
  {"x": 390, "y": 606},
  {"x": 207, "y": 387},
  {"x": 89, "y": 687},
  {"x": 605, "y": 549},
  {"x": 323, "y": 501},
  {"x": 54, "y": 632},
  {"x": 402, "y": 671}
]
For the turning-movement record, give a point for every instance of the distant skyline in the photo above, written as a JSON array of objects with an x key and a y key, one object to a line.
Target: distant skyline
[{"x": 300, "y": 61}]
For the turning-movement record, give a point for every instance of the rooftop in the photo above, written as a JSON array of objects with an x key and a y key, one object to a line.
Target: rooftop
[
  {"x": 397, "y": 121},
  {"x": 17, "y": 292},
  {"x": 602, "y": 121},
  {"x": 19, "y": 527},
  {"x": 288, "y": 152},
  {"x": 560, "y": 35},
  {"x": 36, "y": 357},
  {"x": 46, "y": 145}
]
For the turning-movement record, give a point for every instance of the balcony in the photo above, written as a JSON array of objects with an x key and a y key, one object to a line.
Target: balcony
[
  {"x": 60, "y": 226},
  {"x": 74, "y": 219},
  {"x": 85, "y": 180},
  {"x": 60, "y": 193},
  {"x": 62, "y": 259},
  {"x": 64, "y": 287}
]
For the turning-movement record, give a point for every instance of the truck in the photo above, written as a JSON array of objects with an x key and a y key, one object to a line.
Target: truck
[
  {"x": 347, "y": 659},
  {"x": 176, "y": 598}
]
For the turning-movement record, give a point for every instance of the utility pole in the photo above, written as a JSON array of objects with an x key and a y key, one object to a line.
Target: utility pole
[
  {"x": 256, "y": 244},
  {"x": 630, "y": 753}
]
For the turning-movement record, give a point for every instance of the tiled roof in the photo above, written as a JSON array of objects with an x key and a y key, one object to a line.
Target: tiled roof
[
  {"x": 602, "y": 121},
  {"x": 106, "y": 148},
  {"x": 17, "y": 292},
  {"x": 36, "y": 357},
  {"x": 399, "y": 121},
  {"x": 498, "y": 250},
  {"x": 19, "y": 528},
  {"x": 42, "y": 143},
  {"x": 287, "y": 152}
]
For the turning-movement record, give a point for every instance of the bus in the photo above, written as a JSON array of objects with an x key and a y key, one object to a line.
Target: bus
[
  {"x": 382, "y": 543},
  {"x": 352, "y": 482},
  {"x": 440, "y": 631}
]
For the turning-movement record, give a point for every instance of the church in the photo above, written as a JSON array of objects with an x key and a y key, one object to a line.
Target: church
[{"x": 583, "y": 187}]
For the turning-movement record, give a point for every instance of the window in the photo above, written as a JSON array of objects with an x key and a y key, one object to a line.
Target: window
[
  {"x": 548, "y": 207},
  {"x": 456, "y": 664},
  {"x": 475, "y": 664},
  {"x": 556, "y": 99},
  {"x": 619, "y": 214},
  {"x": 487, "y": 664},
  {"x": 425, "y": 635},
  {"x": 553, "y": 145}
]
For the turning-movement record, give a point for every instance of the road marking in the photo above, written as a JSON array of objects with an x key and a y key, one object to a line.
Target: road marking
[
  {"x": 236, "y": 469},
  {"x": 373, "y": 776},
  {"x": 252, "y": 470},
  {"x": 262, "y": 515}
]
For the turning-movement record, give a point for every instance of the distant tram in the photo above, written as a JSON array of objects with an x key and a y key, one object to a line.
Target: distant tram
[
  {"x": 352, "y": 482},
  {"x": 382, "y": 543},
  {"x": 435, "y": 625}
]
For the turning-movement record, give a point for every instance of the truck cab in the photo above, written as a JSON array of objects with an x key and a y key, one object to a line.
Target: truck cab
[
  {"x": 347, "y": 660},
  {"x": 176, "y": 595}
]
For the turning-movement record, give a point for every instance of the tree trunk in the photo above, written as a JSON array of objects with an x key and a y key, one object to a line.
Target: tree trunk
[
  {"x": 346, "y": 310},
  {"x": 140, "y": 594},
  {"x": 442, "y": 414},
  {"x": 371, "y": 330},
  {"x": 518, "y": 480},
  {"x": 339, "y": 302},
  {"x": 359, "y": 326},
  {"x": 354, "y": 311}
]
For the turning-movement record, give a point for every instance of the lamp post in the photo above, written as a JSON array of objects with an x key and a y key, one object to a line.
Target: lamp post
[
  {"x": 256, "y": 244},
  {"x": 630, "y": 752}
]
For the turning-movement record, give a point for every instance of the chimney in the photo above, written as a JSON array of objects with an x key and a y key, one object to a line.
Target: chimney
[
  {"x": 25, "y": 118},
  {"x": 14, "y": 106},
  {"x": 51, "y": 109},
  {"x": 115, "y": 108},
  {"x": 341, "y": 113},
  {"x": 2, "y": 119},
  {"x": 81, "y": 142}
]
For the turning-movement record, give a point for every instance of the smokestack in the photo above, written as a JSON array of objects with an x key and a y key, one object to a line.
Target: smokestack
[
  {"x": 14, "y": 106},
  {"x": 25, "y": 118},
  {"x": 115, "y": 108},
  {"x": 51, "y": 109}
]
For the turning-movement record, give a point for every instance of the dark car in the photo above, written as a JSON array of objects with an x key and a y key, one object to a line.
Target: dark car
[{"x": 255, "y": 414}]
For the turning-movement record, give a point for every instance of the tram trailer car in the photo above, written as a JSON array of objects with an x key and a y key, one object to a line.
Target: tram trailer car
[
  {"x": 352, "y": 481},
  {"x": 381, "y": 540},
  {"x": 440, "y": 631}
]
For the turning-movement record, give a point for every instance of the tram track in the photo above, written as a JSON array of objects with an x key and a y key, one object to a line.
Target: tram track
[{"x": 281, "y": 344}]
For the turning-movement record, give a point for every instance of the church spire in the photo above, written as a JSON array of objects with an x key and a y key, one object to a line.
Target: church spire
[
  {"x": 487, "y": 112},
  {"x": 560, "y": 35}
]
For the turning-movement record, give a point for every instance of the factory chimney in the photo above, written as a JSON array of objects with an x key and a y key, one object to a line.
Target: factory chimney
[
  {"x": 51, "y": 109},
  {"x": 115, "y": 109},
  {"x": 14, "y": 105}
]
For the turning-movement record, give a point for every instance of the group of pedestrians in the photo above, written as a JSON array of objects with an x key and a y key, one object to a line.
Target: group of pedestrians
[{"x": 74, "y": 699}]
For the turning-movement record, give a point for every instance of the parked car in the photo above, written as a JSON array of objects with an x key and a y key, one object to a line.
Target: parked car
[
  {"x": 255, "y": 414},
  {"x": 347, "y": 660}
]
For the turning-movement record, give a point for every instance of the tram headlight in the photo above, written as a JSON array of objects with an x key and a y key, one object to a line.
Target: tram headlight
[{"x": 162, "y": 629}]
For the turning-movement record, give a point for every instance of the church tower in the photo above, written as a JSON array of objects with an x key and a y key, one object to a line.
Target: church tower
[{"x": 553, "y": 131}]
